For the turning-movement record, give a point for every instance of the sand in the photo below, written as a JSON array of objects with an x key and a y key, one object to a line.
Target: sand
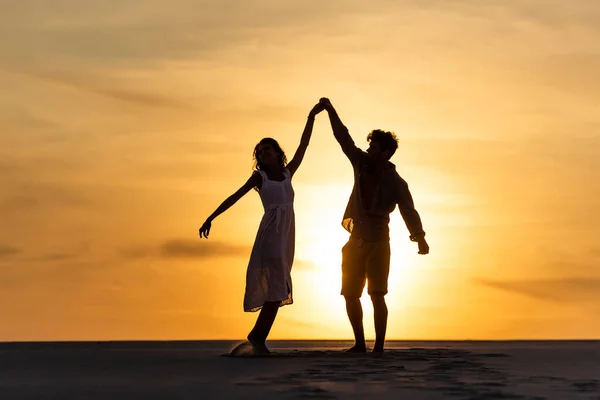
[{"x": 300, "y": 370}]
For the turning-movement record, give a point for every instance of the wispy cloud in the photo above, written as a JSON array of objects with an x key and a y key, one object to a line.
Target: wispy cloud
[
  {"x": 8, "y": 250},
  {"x": 56, "y": 257},
  {"x": 556, "y": 290},
  {"x": 574, "y": 73},
  {"x": 196, "y": 248},
  {"x": 183, "y": 248},
  {"x": 27, "y": 195},
  {"x": 95, "y": 85}
]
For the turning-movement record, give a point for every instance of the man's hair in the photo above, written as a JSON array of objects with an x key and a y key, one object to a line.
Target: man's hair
[{"x": 387, "y": 140}]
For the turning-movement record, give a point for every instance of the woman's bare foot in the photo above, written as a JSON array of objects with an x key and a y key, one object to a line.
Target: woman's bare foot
[
  {"x": 261, "y": 348},
  {"x": 258, "y": 347}
]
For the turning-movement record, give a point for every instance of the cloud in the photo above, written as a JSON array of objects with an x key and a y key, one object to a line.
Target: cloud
[
  {"x": 95, "y": 86},
  {"x": 556, "y": 290},
  {"x": 183, "y": 248},
  {"x": 139, "y": 98},
  {"x": 27, "y": 196},
  {"x": 133, "y": 32},
  {"x": 197, "y": 248},
  {"x": 8, "y": 250},
  {"x": 544, "y": 152},
  {"x": 17, "y": 167},
  {"x": 27, "y": 119},
  {"x": 52, "y": 257},
  {"x": 574, "y": 73}
]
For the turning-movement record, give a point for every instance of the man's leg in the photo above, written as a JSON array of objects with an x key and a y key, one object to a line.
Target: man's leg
[
  {"x": 353, "y": 284},
  {"x": 355, "y": 315},
  {"x": 264, "y": 322},
  {"x": 380, "y": 313},
  {"x": 378, "y": 270}
]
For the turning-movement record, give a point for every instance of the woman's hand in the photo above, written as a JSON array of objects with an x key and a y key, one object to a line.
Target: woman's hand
[{"x": 204, "y": 229}]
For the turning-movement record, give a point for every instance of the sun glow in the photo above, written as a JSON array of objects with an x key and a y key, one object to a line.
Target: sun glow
[
  {"x": 323, "y": 250},
  {"x": 320, "y": 240}
]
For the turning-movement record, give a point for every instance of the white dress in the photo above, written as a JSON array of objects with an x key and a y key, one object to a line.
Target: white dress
[{"x": 268, "y": 277}]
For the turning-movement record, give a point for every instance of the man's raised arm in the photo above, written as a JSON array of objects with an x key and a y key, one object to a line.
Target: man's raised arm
[{"x": 340, "y": 131}]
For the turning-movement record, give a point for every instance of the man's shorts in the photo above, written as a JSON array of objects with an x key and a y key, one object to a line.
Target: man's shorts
[{"x": 362, "y": 261}]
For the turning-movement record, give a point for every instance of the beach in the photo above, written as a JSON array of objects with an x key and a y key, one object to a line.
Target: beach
[{"x": 300, "y": 369}]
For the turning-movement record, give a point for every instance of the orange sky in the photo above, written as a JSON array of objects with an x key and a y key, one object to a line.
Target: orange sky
[{"x": 124, "y": 124}]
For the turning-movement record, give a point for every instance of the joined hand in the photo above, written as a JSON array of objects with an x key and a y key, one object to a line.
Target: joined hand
[
  {"x": 317, "y": 109},
  {"x": 326, "y": 103}
]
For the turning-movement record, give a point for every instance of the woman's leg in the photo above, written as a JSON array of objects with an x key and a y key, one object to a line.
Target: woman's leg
[{"x": 264, "y": 322}]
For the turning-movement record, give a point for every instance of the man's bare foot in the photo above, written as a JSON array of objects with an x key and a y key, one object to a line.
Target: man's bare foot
[
  {"x": 377, "y": 348},
  {"x": 357, "y": 349}
]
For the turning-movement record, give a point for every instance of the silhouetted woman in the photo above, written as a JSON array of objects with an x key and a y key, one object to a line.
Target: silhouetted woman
[{"x": 268, "y": 280}]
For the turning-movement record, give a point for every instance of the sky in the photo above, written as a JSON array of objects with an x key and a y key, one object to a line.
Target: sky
[{"x": 124, "y": 124}]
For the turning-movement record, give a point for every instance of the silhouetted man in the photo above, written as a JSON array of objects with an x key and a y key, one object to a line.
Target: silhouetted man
[{"x": 366, "y": 256}]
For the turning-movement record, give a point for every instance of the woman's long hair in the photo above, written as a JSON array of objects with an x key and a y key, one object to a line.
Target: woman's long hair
[{"x": 258, "y": 166}]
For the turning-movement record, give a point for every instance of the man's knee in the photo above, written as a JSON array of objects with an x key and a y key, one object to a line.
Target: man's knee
[
  {"x": 378, "y": 298},
  {"x": 353, "y": 302}
]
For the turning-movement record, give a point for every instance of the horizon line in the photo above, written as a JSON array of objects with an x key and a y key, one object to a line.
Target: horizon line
[{"x": 294, "y": 340}]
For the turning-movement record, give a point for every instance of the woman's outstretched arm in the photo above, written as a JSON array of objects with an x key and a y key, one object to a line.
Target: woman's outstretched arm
[{"x": 253, "y": 181}]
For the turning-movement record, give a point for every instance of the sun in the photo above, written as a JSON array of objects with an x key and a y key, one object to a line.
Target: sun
[
  {"x": 319, "y": 224},
  {"x": 325, "y": 251}
]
